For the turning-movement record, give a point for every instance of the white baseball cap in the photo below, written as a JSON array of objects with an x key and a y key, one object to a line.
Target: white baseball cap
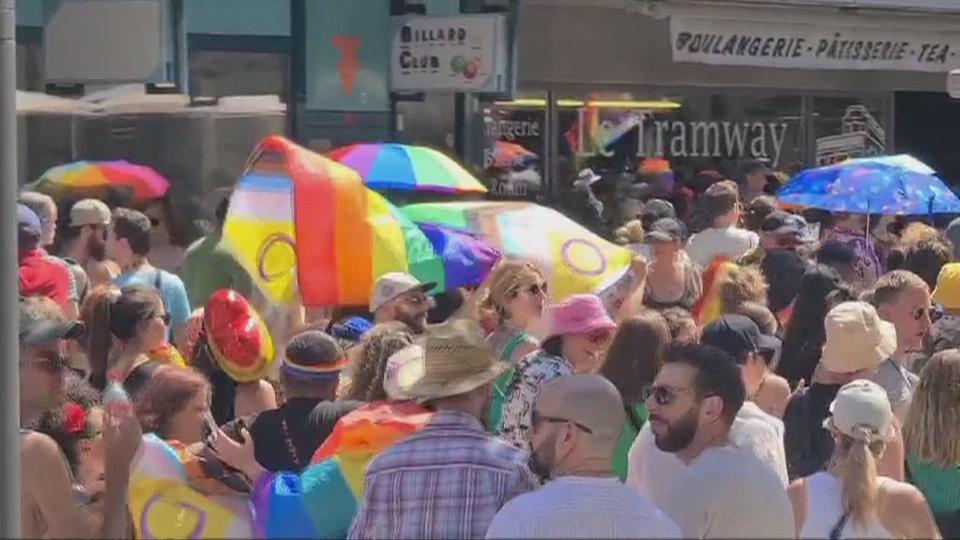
[
  {"x": 401, "y": 359},
  {"x": 856, "y": 338},
  {"x": 392, "y": 285},
  {"x": 861, "y": 409}
]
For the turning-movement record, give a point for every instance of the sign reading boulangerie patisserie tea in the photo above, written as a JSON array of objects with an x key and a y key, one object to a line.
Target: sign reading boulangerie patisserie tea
[{"x": 808, "y": 46}]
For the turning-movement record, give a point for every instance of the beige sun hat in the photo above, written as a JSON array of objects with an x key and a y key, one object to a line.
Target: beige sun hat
[
  {"x": 857, "y": 338},
  {"x": 455, "y": 359}
]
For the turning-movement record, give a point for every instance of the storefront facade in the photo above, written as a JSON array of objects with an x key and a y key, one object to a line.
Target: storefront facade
[{"x": 706, "y": 85}]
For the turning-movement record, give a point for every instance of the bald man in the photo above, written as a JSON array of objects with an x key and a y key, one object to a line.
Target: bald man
[{"x": 577, "y": 423}]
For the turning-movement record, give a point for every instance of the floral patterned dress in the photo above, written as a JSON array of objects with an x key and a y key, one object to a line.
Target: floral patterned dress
[{"x": 533, "y": 372}]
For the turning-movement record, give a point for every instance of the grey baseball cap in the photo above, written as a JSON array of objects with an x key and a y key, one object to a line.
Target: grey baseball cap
[{"x": 37, "y": 327}]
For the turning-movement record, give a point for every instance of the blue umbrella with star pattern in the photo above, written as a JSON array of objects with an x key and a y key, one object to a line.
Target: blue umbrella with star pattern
[{"x": 889, "y": 185}]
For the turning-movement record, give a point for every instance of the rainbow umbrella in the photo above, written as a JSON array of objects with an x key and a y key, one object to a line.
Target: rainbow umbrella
[
  {"x": 574, "y": 259},
  {"x": 401, "y": 167},
  {"x": 118, "y": 182},
  {"x": 303, "y": 224},
  {"x": 508, "y": 154}
]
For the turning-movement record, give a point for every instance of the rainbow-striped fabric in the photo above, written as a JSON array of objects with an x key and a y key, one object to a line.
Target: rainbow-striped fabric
[
  {"x": 708, "y": 307},
  {"x": 303, "y": 224},
  {"x": 321, "y": 501}
]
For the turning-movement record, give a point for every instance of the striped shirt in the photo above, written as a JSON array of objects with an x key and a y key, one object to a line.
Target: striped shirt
[{"x": 446, "y": 481}]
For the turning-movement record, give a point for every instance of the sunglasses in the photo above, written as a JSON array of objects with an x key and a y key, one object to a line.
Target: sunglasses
[
  {"x": 417, "y": 301},
  {"x": 933, "y": 313},
  {"x": 51, "y": 362},
  {"x": 599, "y": 337},
  {"x": 664, "y": 395},
  {"x": 537, "y": 418},
  {"x": 538, "y": 289}
]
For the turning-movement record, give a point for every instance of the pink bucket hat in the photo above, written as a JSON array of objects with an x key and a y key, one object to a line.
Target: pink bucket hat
[{"x": 579, "y": 314}]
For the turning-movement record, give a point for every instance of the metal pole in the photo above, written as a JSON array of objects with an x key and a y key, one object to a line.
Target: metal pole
[{"x": 9, "y": 294}]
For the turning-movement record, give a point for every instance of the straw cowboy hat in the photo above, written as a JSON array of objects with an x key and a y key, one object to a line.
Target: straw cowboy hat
[{"x": 452, "y": 359}]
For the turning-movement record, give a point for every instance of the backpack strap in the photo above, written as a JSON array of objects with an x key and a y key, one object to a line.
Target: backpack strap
[
  {"x": 839, "y": 525},
  {"x": 158, "y": 280}
]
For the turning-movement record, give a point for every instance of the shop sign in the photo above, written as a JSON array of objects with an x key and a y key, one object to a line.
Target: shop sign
[
  {"x": 807, "y": 46},
  {"x": 465, "y": 54},
  {"x": 727, "y": 139}
]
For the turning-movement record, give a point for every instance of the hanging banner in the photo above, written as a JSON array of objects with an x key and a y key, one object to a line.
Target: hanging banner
[
  {"x": 466, "y": 54},
  {"x": 807, "y": 46}
]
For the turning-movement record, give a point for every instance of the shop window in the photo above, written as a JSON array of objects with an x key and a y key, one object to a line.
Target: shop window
[
  {"x": 695, "y": 132},
  {"x": 217, "y": 73},
  {"x": 845, "y": 127},
  {"x": 30, "y": 67},
  {"x": 514, "y": 139}
]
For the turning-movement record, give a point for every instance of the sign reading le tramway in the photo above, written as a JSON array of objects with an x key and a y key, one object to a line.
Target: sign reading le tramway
[{"x": 807, "y": 46}]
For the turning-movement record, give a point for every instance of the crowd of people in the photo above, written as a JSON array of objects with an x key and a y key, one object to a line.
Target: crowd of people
[{"x": 756, "y": 373}]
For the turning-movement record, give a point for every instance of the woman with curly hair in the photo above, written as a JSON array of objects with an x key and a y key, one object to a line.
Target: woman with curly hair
[
  {"x": 739, "y": 285},
  {"x": 378, "y": 345}
]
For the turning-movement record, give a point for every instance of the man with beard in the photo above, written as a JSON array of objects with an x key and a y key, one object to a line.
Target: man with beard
[
  {"x": 721, "y": 490},
  {"x": 49, "y": 504},
  {"x": 576, "y": 427},
  {"x": 85, "y": 245},
  {"x": 398, "y": 296}
]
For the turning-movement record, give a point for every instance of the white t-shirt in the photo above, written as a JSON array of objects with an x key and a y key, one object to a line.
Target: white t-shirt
[
  {"x": 582, "y": 507},
  {"x": 731, "y": 242},
  {"x": 728, "y": 493},
  {"x": 651, "y": 470}
]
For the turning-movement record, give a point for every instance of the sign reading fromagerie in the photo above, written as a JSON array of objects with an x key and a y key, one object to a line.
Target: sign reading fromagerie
[{"x": 806, "y": 46}]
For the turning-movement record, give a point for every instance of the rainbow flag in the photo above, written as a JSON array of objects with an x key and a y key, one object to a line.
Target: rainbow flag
[
  {"x": 303, "y": 224},
  {"x": 169, "y": 497},
  {"x": 321, "y": 501},
  {"x": 574, "y": 259},
  {"x": 707, "y": 308}
]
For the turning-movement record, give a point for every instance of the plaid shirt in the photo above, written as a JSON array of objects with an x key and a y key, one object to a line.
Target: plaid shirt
[{"x": 446, "y": 481}]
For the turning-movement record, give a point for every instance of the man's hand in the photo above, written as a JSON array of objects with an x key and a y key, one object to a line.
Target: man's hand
[{"x": 240, "y": 456}]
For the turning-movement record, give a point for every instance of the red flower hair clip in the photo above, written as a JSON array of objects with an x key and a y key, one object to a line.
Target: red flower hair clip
[{"x": 76, "y": 418}]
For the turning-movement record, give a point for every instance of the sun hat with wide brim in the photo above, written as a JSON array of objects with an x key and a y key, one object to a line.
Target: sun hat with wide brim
[
  {"x": 856, "y": 338},
  {"x": 237, "y": 336},
  {"x": 452, "y": 359}
]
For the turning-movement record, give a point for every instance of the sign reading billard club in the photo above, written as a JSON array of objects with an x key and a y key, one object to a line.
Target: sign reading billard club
[
  {"x": 467, "y": 53},
  {"x": 808, "y": 46}
]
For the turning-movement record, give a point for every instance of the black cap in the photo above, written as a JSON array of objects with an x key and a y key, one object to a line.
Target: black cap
[
  {"x": 665, "y": 230},
  {"x": 757, "y": 165},
  {"x": 834, "y": 252},
  {"x": 787, "y": 224},
  {"x": 738, "y": 336},
  {"x": 656, "y": 209}
]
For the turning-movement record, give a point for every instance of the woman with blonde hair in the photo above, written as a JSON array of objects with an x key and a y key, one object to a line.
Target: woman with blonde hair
[
  {"x": 849, "y": 499},
  {"x": 739, "y": 285},
  {"x": 517, "y": 294},
  {"x": 931, "y": 437}
]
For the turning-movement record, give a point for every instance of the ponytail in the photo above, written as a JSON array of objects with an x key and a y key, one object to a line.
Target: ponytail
[
  {"x": 98, "y": 340},
  {"x": 858, "y": 475}
]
